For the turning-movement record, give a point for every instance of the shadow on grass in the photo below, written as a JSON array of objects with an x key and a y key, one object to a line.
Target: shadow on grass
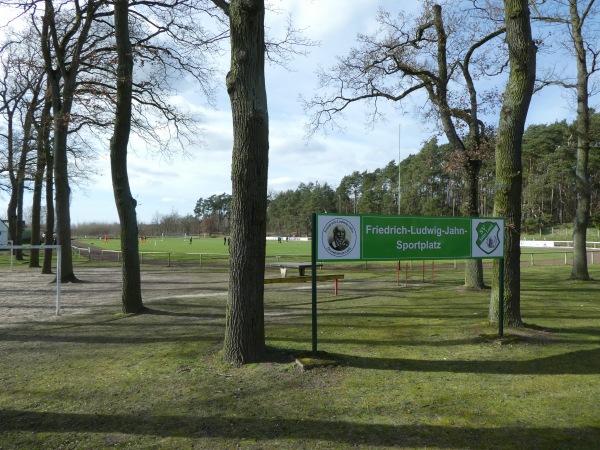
[
  {"x": 158, "y": 312},
  {"x": 160, "y": 326},
  {"x": 582, "y": 362},
  {"x": 102, "y": 339},
  {"x": 561, "y": 331},
  {"x": 264, "y": 429}
]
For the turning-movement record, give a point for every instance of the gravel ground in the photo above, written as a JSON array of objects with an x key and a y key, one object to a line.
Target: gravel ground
[{"x": 27, "y": 295}]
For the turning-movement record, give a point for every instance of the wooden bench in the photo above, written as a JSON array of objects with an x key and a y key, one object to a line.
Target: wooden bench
[
  {"x": 302, "y": 266},
  {"x": 304, "y": 279}
]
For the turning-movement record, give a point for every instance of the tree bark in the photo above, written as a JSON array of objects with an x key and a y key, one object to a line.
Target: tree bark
[
  {"x": 62, "y": 194},
  {"x": 45, "y": 134},
  {"x": 245, "y": 334},
  {"x": 508, "y": 187},
  {"x": 582, "y": 213},
  {"x": 49, "y": 232},
  {"x": 17, "y": 195},
  {"x": 61, "y": 107},
  {"x": 470, "y": 208},
  {"x": 26, "y": 147},
  {"x": 13, "y": 175},
  {"x": 65, "y": 53},
  {"x": 131, "y": 295},
  {"x": 36, "y": 205}
]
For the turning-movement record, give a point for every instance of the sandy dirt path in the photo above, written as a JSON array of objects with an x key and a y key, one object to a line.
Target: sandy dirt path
[{"x": 27, "y": 295}]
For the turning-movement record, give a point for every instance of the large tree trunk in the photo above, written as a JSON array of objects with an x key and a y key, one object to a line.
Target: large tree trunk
[
  {"x": 13, "y": 201},
  {"x": 473, "y": 267},
  {"x": 11, "y": 213},
  {"x": 470, "y": 208},
  {"x": 508, "y": 187},
  {"x": 63, "y": 82},
  {"x": 582, "y": 213},
  {"x": 63, "y": 195},
  {"x": 61, "y": 108},
  {"x": 20, "y": 200},
  {"x": 26, "y": 147},
  {"x": 131, "y": 295},
  {"x": 36, "y": 206},
  {"x": 38, "y": 176},
  {"x": 49, "y": 233},
  {"x": 44, "y": 135},
  {"x": 245, "y": 334},
  {"x": 16, "y": 198}
]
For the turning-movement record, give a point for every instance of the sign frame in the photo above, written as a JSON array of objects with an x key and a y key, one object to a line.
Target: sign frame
[{"x": 368, "y": 237}]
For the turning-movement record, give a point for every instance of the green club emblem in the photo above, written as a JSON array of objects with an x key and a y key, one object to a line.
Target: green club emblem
[{"x": 488, "y": 236}]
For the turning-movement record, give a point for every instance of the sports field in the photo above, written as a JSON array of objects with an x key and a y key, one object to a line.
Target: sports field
[
  {"x": 212, "y": 252},
  {"x": 418, "y": 366},
  {"x": 174, "y": 251},
  {"x": 200, "y": 245}
]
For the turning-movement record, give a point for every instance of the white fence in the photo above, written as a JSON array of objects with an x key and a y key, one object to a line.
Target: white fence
[{"x": 555, "y": 244}]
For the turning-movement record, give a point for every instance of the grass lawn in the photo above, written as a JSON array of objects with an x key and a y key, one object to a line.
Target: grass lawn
[
  {"x": 418, "y": 368},
  {"x": 212, "y": 250},
  {"x": 202, "y": 245},
  {"x": 200, "y": 251}
]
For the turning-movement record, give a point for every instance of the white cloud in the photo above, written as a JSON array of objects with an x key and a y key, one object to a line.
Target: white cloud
[{"x": 166, "y": 184}]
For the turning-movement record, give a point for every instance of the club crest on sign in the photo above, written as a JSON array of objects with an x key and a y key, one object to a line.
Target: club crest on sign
[{"x": 488, "y": 236}]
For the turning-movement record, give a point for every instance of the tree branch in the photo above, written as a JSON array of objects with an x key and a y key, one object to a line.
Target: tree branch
[{"x": 224, "y": 5}]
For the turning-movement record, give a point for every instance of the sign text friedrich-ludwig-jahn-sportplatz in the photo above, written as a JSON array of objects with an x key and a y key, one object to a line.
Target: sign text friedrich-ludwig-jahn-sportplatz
[{"x": 369, "y": 237}]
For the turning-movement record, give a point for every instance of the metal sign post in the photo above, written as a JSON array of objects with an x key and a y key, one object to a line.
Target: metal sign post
[
  {"x": 313, "y": 260},
  {"x": 501, "y": 298}
]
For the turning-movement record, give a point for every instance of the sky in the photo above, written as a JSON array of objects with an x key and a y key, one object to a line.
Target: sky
[{"x": 173, "y": 185}]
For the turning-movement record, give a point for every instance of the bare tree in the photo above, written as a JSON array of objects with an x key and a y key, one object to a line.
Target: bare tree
[
  {"x": 509, "y": 173},
  {"x": 577, "y": 17},
  {"x": 11, "y": 99},
  {"x": 64, "y": 37},
  {"x": 43, "y": 166},
  {"x": 28, "y": 153},
  {"x": 423, "y": 55},
  {"x": 131, "y": 295},
  {"x": 245, "y": 334},
  {"x": 20, "y": 88},
  {"x": 179, "y": 47},
  {"x": 77, "y": 44}
]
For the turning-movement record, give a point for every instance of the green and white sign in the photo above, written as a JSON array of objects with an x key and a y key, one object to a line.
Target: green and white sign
[{"x": 367, "y": 237}]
